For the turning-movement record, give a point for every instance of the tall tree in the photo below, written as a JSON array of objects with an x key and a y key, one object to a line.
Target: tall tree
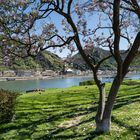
[{"x": 84, "y": 24}]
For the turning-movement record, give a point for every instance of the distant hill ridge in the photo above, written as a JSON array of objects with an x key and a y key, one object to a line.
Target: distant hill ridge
[
  {"x": 99, "y": 54},
  {"x": 47, "y": 60},
  {"x": 44, "y": 60}
]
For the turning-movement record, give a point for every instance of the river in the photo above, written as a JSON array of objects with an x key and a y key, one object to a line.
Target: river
[{"x": 51, "y": 83}]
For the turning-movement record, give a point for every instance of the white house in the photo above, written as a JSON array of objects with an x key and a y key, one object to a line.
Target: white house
[{"x": 69, "y": 70}]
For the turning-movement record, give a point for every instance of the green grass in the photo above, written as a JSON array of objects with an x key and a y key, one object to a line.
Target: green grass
[{"x": 60, "y": 114}]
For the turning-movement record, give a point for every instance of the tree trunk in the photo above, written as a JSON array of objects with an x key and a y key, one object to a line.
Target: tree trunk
[
  {"x": 101, "y": 106},
  {"x": 103, "y": 125}
]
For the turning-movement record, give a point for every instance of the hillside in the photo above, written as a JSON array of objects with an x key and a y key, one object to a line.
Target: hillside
[
  {"x": 136, "y": 63},
  {"x": 47, "y": 60},
  {"x": 44, "y": 60},
  {"x": 99, "y": 54}
]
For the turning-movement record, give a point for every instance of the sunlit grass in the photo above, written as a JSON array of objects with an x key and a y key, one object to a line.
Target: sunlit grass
[{"x": 69, "y": 114}]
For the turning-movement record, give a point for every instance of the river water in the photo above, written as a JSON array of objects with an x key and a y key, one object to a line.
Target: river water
[{"x": 51, "y": 83}]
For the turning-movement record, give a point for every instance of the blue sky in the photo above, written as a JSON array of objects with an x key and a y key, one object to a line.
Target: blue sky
[{"x": 55, "y": 18}]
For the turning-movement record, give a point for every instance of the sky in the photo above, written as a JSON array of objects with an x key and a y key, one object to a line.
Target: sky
[{"x": 92, "y": 21}]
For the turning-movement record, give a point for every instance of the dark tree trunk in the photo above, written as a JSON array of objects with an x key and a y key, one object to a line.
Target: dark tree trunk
[
  {"x": 101, "y": 107},
  {"x": 103, "y": 125}
]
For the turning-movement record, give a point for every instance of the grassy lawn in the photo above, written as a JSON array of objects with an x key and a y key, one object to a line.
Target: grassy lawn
[{"x": 69, "y": 114}]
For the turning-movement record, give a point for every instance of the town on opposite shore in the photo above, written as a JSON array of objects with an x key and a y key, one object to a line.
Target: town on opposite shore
[
  {"x": 48, "y": 65},
  {"x": 10, "y": 75}
]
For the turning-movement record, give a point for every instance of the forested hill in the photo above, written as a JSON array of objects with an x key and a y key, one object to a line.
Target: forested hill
[
  {"x": 136, "y": 62},
  {"x": 98, "y": 54},
  {"x": 44, "y": 60},
  {"x": 47, "y": 60}
]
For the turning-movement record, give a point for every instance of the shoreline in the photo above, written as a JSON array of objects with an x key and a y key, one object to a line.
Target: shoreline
[{"x": 16, "y": 78}]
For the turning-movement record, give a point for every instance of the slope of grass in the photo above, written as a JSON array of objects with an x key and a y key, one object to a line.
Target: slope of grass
[{"x": 58, "y": 114}]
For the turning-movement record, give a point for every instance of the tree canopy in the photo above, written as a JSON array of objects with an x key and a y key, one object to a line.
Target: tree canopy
[{"x": 28, "y": 27}]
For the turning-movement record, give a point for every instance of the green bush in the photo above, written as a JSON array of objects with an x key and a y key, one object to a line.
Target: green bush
[
  {"x": 88, "y": 82},
  {"x": 7, "y": 105},
  {"x": 130, "y": 82}
]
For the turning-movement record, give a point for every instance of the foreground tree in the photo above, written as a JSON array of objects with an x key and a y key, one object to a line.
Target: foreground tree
[{"x": 116, "y": 21}]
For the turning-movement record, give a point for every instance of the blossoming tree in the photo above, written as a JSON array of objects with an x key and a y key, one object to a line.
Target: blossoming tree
[{"x": 111, "y": 24}]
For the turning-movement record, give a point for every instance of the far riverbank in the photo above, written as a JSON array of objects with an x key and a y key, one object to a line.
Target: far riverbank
[
  {"x": 20, "y": 78},
  {"x": 16, "y": 78}
]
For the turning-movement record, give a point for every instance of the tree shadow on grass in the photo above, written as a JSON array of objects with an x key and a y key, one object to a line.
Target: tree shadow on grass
[
  {"x": 121, "y": 103},
  {"x": 135, "y": 130},
  {"x": 125, "y": 101},
  {"x": 32, "y": 125},
  {"x": 54, "y": 132},
  {"x": 58, "y": 130}
]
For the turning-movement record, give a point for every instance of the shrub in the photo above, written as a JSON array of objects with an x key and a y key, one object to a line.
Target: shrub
[
  {"x": 130, "y": 82},
  {"x": 7, "y": 105},
  {"x": 88, "y": 82}
]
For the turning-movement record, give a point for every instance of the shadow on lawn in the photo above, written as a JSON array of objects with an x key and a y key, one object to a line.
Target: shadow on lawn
[
  {"x": 74, "y": 108},
  {"x": 92, "y": 135},
  {"x": 122, "y": 102},
  {"x": 135, "y": 130},
  {"x": 128, "y": 100},
  {"x": 61, "y": 129},
  {"x": 53, "y": 132},
  {"x": 32, "y": 125}
]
